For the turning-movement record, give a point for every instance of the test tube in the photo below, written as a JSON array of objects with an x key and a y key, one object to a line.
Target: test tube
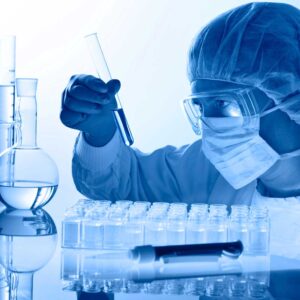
[{"x": 104, "y": 73}]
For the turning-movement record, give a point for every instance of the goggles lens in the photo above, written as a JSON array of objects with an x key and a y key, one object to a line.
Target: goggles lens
[{"x": 219, "y": 108}]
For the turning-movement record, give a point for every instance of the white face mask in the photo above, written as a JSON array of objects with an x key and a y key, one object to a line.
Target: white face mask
[{"x": 239, "y": 154}]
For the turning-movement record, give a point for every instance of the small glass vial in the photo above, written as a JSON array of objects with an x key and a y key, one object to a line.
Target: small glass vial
[
  {"x": 176, "y": 224},
  {"x": 71, "y": 227},
  {"x": 154, "y": 287},
  {"x": 238, "y": 225},
  {"x": 92, "y": 273},
  {"x": 84, "y": 203},
  {"x": 195, "y": 286},
  {"x": 125, "y": 204},
  {"x": 259, "y": 280},
  {"x": 155, "y": 227},
  {"x": 238, "y": 286},
  {"x": 217, "y": 287},
  {"x": 114, "y": 228},
  {"x": 217, "y": 223},
  {"x": 162, "y": 206},
  {"x": 134, "y": 229},
  {"x": 105, "y": 204},
  {"x": 178, "y": 206},
  {"x": 196, "y": 224},
  {"x": 92, "y": 228},
  {"x": 71, "y": 269},
  {"x": 133, "y": 287},
  {"x": 144, "y": 204},
  {"x": 259, "y": 231}
]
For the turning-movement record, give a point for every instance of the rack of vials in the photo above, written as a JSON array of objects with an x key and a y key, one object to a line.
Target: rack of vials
[{"x": 91, "y": 224}]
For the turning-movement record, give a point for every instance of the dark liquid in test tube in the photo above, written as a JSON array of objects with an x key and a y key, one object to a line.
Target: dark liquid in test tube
[{"x": 123, "y": 126}]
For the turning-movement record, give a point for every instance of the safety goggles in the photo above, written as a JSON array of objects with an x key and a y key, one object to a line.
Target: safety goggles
[{"x": 238, "y": 106}]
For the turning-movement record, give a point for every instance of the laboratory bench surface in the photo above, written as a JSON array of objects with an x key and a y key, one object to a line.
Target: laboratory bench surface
[{"x": 280, "y": 280}]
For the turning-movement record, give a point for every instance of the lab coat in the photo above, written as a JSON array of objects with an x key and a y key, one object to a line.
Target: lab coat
[{"x": 171, "y": 174}]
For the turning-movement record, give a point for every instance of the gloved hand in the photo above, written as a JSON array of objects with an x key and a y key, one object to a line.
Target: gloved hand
[{"x": 87, "y": 104}]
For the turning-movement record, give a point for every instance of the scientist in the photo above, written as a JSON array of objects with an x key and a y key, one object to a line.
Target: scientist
[{"x": 244, "y": 73}]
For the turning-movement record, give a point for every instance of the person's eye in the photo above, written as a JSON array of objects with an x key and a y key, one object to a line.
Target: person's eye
[
  {"x": 227, "y": 108},
  {"x": 222, "y": 103},
  {"x": 198, "y": 106}
]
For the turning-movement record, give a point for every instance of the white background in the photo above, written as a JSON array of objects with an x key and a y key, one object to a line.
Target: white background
[{"x": 146, "y": 44}]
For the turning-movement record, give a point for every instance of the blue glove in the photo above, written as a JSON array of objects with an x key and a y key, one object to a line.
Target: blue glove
[{"x": 87, "y": 104}]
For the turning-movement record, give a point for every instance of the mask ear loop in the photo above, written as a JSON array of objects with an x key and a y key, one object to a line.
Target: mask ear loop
[
  {"x": 268, "y": 111},
  {"x": 288, "y": 155},
  {"x": 286, "y": 103}
]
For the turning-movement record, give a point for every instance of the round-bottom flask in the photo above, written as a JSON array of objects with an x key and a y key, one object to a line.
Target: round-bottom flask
[
  {"x": 30, "y": 177},
  {"x": 28, "y": 241}
]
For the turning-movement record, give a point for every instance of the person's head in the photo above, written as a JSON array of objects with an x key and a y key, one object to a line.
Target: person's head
[{"x": 255, "y": 46}]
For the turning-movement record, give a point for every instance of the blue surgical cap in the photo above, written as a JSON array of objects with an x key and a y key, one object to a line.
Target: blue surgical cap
[{"x": 257, "y": 44}]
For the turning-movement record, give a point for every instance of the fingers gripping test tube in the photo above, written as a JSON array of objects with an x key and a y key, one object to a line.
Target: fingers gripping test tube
[{"x": 104, "y": 73}]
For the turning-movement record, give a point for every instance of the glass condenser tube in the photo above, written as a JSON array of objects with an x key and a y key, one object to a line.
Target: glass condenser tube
[{"x": 104, "y": 73}]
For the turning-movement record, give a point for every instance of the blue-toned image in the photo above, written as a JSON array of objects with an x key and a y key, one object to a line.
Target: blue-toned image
[
  {"x": 187, "y": 189},
  {"x": 243, "y": 72},
  {"x": 29, "y": 177},
  {"x": 28, "y": 240}
]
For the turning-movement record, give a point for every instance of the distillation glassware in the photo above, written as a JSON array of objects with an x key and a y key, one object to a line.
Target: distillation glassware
[
  {"x": 30, "y": 178},
  {"x": 28, "y": 240},
  {"x": 104, "y": 73},
  {"x": 7, "y": 92}
]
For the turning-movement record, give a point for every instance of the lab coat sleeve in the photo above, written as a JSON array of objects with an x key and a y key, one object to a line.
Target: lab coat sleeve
[{"x": 117, "y": 171}]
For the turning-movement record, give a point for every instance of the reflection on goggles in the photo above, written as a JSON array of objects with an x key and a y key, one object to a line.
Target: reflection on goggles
[
  {"x": 216, "y": 107},
  {"x": 219, "y": 108}
]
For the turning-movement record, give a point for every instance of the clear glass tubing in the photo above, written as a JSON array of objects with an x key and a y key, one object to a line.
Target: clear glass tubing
[
  {"x": 7, "y": 60},
  {"x": 7, "y": 88},
  {"x": 104, "y": 73}
]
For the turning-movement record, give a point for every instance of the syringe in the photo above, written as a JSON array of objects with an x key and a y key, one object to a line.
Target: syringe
[
  {"x": 104, "y": 73},
  {"x": 183, "y": 261}
]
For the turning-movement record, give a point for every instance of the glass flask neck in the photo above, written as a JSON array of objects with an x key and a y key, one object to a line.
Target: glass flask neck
[
  {"x": 27, "y": 111},
  {"x": 21, "y": 286},
  {"x": 28, "y": 123}
]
